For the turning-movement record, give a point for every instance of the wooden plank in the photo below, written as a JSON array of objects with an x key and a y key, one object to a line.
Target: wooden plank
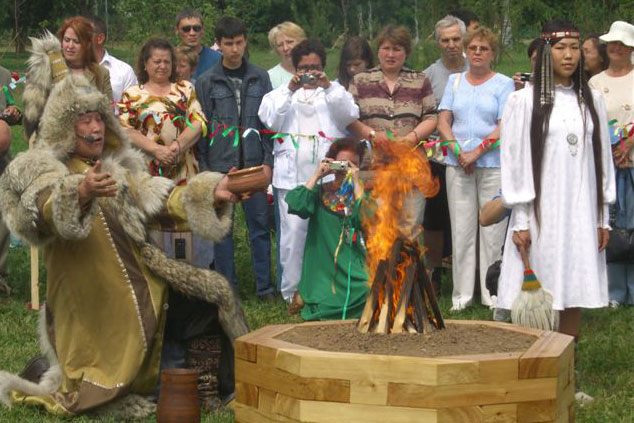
[
  {"x": 549, "y": 410},
  {"x": 266, "y": 401},
  {"x": 497, "y": 367},
  {"x": 247, "y": 394},
  {"x": 274, "y": 379},
  {"x": 330, "y": 412},
  {"x": 566, "y": 408},
  {"x": 496, "y": 413},
  {"x": 368, "y": 392},
  {"x": 246, "y": 414},
  {"x": 536, "y": 411},
  {"x": 410, "y": 395},
  {"x": 567, "y": 369},
  {"x": 542, "y": 359},
  {"x": 245, "y": 350},
  {"x": 266, "y": 332},
  {"x": 500, "y": 325},
  {"x": 35, "y": 279},
  {"x": 428, "y": 371}
]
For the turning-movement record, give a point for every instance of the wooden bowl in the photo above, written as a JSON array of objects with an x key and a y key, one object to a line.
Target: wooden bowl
[{"x": 252, "y": 179}]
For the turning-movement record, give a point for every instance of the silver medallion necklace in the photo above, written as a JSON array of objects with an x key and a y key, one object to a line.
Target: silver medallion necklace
[{"x": 572, "y": 140}]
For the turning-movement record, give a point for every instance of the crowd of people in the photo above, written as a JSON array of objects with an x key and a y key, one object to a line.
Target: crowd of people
[{"x": 132, "y": 166}]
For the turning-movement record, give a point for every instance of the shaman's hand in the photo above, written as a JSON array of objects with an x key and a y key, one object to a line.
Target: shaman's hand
[{"x": 96, "y": 184}]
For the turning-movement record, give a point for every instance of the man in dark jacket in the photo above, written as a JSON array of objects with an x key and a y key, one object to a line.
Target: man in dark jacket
[{"x": 230, "y": 94}]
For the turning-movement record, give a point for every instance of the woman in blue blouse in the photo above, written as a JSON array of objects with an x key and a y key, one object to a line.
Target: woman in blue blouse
[{"x": 469, "y": 117}]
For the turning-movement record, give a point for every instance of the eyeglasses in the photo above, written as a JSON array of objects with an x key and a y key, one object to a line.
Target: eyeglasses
[
  {"x": 188, "y": 28},
  {"x": 478, "y": 49},
  {"x": 307, "y": 68}
]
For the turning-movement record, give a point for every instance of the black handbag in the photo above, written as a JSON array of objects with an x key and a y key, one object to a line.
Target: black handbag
[{"x": 620, "y": 247}]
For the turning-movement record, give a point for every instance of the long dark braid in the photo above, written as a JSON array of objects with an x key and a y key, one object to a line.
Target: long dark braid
[{"x": 542, "y": 110}]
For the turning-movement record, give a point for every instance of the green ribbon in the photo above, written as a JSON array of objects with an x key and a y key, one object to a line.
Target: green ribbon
[
  {"x": 236, "y": 135},
  {"x": 345, "y": 305},
  {"x": 456, "y": 146},
  {"x": 187, "y": 121},
  {"x": 8, "y": 96},
  {"x": 294, "y": 141},
  {"x": 390, "y": 135}
]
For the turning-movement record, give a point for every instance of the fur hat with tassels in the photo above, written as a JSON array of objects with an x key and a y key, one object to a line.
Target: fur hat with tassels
[
  {"x": 46, "y": 67},
  {"x": 69, "y": 98}
]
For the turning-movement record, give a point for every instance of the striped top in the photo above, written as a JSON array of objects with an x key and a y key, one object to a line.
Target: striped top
[{"x": 411, "y": 102}]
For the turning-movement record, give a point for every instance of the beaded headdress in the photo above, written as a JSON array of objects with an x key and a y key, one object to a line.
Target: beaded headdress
[{"x": 547, "y": 85}]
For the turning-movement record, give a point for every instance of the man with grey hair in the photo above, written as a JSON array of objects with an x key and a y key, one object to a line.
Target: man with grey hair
[{"x": 449, "y": 32}]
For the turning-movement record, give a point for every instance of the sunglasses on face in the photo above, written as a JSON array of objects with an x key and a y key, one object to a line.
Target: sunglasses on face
[
  {"x": 307, "y": 68},
  {"x": 188, "y": 28},
  {"x": 478, "y": 49}
]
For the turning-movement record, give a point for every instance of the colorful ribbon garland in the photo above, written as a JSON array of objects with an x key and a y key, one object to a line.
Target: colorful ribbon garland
[
  {"x": 621, "y": 133},
  {"x": 6, "y": 89}
]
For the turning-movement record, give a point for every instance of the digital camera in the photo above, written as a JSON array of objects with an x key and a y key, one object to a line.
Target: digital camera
[
  {"x": 525, "y": 76},
  {"x": 307, "y": 78},
  {"x": 338, "y": 165}
]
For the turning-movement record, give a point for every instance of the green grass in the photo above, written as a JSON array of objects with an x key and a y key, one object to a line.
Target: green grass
[{"x": 606, "y": 349}]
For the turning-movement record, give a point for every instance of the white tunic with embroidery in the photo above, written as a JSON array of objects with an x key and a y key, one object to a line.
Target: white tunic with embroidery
[{"x": 564, "y": 251}]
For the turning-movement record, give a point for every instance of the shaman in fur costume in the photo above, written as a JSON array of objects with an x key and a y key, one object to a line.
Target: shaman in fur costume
[{"x": 107, "y": 287}]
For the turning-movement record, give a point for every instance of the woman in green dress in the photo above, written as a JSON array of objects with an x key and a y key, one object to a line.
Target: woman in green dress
[{"x": 333, "y": 284}]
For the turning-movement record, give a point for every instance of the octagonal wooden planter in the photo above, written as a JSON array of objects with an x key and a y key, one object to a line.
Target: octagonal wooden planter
[{"x": 277, "y": 381}]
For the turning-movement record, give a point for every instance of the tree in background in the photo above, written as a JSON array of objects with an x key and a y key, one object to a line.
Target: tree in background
[{"x": 329, "y": 20}]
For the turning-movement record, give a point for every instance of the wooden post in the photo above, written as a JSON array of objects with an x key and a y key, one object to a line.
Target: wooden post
[{"x": 35, "y": 279}]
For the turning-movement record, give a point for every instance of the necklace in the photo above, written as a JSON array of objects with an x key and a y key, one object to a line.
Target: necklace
[
  {"x": 308, "y": 99},
  {"x": 571, "y": 138}
]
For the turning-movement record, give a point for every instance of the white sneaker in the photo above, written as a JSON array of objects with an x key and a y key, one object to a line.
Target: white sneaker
[
  {"x": 614, "y": 304},
  {"x": 583, "y": 399}
]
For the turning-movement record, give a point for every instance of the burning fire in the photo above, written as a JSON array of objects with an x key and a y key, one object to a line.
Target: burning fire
[{"x": 399, "y": 171}]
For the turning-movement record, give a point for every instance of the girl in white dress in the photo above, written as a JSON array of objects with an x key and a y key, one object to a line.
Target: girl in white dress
[{"x": 558, "y": 177}]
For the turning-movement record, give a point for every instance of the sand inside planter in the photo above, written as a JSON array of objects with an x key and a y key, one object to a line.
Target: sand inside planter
[{"x": 454, "y": 340}]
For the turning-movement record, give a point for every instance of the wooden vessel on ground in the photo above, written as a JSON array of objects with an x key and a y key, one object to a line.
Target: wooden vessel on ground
[{"x": 278, "y": 381}]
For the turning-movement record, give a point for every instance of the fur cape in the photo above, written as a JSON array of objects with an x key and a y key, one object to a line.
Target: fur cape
[{"x": 41, "y": 172}]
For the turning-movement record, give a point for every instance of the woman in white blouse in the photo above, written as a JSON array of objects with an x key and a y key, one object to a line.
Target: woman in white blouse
[{"x": 557, "y": 176}]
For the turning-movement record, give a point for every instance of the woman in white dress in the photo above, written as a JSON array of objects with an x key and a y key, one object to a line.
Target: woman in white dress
[{"x": 558, "y": 177}]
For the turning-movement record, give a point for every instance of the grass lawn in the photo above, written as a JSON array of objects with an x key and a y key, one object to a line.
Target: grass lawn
[{"x": 606, "y": 349}]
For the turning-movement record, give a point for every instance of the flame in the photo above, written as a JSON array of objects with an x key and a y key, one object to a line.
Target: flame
[{"x": 399, "y": 170}]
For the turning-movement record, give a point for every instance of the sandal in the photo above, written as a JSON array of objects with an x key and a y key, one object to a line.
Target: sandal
[{"x": 296, "y": 304}]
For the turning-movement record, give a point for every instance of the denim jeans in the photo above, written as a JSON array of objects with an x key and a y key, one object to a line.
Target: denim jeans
[
  {"x": 278, "y": 264},
  {"x": 256, "y": 216}
]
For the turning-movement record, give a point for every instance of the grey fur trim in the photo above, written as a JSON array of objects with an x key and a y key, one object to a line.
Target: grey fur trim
[
  {"x": 50, "y": 382},
  {"x": 51, "y": 379},
  {"x": 199, "y": 283},
  {"x": 25, "y": 178},
  {"x": 139, "y": 194},
  {"x": 126, "y": 408},
  {"x": 198, "y": 201},
  {"x": 69, "y": 220},
  {"x": 46, "y": 348},
  {"x": 68, "y": 99},
  {"x": 39, "y": 79}
]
